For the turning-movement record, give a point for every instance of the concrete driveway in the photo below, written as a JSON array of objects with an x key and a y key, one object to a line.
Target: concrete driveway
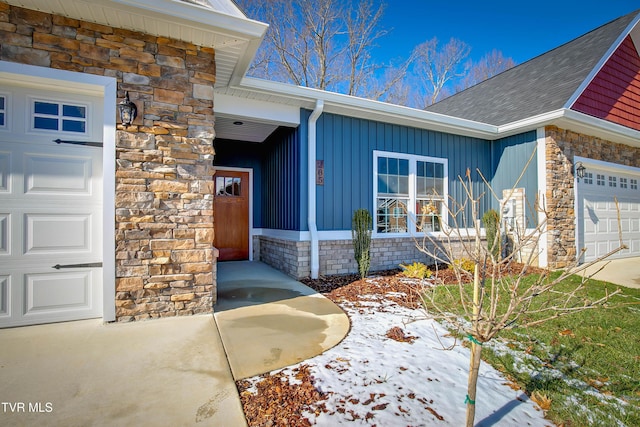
[
  {"x": 623, "y": 272},
  {"x": 164, "y": 372}
]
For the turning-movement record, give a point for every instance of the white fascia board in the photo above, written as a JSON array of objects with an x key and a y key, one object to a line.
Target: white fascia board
[
  {"x": 257, "y": 110},
  {"x": 576, "y": 121},
  {"x": 602, "y": 62},
  {"x": 196, "y": 14},
  {"x": 369, "y": 109}
]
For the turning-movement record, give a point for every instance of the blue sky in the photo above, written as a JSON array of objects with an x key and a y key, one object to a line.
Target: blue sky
[{"x": 521, "y": 30}]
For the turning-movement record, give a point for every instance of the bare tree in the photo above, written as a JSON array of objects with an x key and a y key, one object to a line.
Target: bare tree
[
  {"x": 436, "y": 66},
  {"x": 489, "y": 65},
  {"x": 498, "y": 301},
  {"x": 324, "y": 44}
]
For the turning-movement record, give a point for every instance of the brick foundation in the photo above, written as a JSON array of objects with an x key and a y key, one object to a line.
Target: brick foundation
[
  {"x": 165, "y": 261},
  {"x": 336, "y": 256}
]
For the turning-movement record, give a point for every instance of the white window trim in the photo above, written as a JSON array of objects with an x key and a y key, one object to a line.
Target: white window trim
[{"x": 413, "y": 159}]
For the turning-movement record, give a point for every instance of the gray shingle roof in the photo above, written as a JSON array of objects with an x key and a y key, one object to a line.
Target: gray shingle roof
[{"x": 542, "y": 84}]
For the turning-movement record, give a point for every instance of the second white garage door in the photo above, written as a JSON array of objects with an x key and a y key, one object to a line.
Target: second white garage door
[{"x": 598, "y": 230}]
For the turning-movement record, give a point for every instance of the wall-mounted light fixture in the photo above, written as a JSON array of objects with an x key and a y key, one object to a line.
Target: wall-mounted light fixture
[
  {"x": 580, "y": 170},
  {"x": 128, "y": 110}
]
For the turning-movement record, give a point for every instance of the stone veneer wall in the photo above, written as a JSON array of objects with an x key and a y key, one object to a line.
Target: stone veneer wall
[
  {"x": 165, "y": 261},
  {"x": 561, "y": 147},
  {"x": 336, "y": 256}
]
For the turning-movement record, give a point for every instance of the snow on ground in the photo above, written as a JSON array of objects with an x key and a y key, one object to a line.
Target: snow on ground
[{"x": 374, "y": 380}]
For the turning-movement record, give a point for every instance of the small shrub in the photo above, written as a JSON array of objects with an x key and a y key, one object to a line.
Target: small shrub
[
  {"x": 491, "y": 222},
  {"x": 464, "y": 263},
  {"x": 417, "y": 270},
  {"x": 362, "y": 224}
]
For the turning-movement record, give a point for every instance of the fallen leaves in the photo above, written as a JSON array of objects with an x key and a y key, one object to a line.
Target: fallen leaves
[
  {"x": 397, "y": 334},
  {"x": 541, "y": 400},
  {"x": 277, "y": 402}
]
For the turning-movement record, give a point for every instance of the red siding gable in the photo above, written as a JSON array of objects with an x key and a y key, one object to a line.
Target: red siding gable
[{"x": 614, "y": 94}]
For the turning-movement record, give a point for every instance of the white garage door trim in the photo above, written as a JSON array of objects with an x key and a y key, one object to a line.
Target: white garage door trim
[
  {"x": 605, "y": 178},
  {"x": 105, "y": 87}
]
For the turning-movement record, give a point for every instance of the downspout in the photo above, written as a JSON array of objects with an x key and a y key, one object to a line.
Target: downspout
[{"x": 311, "y": 193}]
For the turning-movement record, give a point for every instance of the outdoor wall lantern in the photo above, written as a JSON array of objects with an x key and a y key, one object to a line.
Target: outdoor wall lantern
[
  {"x": 580, "y": 170},
  {"x": 128, "y": 110}
]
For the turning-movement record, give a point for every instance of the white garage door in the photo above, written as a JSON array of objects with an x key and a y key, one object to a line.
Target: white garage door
[
  {"x": 50, "y": 206},
  {"x": 598, "y": 229}
]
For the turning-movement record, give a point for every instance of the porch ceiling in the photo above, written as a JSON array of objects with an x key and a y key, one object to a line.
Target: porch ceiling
[{"x": 241, "y": 129}]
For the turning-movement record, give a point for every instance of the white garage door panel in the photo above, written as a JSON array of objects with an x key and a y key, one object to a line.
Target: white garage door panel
[
  {"x": 51, "y": 292},
  {"x": 5, "y": 297},
  {"x": 50, "y": 214},
  {"x": 5, "y": 227},
  {"x": 4, "y": 171},
  {"x": 57, "y": 233},
  {"x": 57, "y": 174}
]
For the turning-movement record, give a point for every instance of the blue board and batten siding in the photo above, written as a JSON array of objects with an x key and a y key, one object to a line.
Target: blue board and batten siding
[
  {"x": 512, "y": 157},
  {"x": 346, "y": 146}
]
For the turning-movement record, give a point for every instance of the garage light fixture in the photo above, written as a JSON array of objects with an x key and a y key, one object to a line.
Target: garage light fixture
[
  {"x": 580, "y": 170},
  {"x": 128, "y": 110}
]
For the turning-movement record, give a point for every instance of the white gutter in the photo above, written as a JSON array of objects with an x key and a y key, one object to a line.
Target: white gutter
[{"x": 311, "y": 193}]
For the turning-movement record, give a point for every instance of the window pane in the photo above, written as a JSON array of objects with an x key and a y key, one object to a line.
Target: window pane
[
  {"x": 1, "y": 119},
  {"x": 403, "y": 182},
  {"x": 1, "y": 102},
  {"x": 46, "y": 108},
  {"x": 438, "y": 187},
  {"x": 382, "y": 165},
  {"x": 220, "y": 186},
  {"x": 420, "y": 170},
  {"x": 393, "y": 166},
  {"x": 236, "y": 187},
  {"x": 45, "y": 123},
  {"x": 404, "y": 167},
  {"x": 438, "y": 170},
  {"x": 73, "y": 126},
  {"x": 392, "y": 182},
  {"x": 74, "y": 111},
  {"x": 421, "y": 186},
  {"x": 382, "y": 184}
]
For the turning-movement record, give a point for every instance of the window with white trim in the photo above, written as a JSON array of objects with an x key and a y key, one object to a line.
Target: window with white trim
[
  {"x": 634, "y": 184},
  {"x": 57, "y": 116},
  {"x": 409, "y": 193},
  {"x": 612, "y": 181},
  {"x": 599, "y": 179}
]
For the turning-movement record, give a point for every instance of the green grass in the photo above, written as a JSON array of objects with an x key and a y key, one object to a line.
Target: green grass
[{"x": 587, "y": 363}]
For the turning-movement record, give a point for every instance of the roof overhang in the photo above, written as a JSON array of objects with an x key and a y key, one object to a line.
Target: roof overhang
[
  {"x": 234, "y": 37},
  {"x": 272, "y": 103},
  {"x": 575, "y": 121}
]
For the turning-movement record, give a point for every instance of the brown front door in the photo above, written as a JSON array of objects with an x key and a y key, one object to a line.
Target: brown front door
[{"x": 231, "y": 215}]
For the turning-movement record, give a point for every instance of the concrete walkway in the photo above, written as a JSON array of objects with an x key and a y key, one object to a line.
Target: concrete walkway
[
  {"x": 623, "y": 272},
  {"x": 164, "y": 372},
  {"x": 268, "y": 320}
]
